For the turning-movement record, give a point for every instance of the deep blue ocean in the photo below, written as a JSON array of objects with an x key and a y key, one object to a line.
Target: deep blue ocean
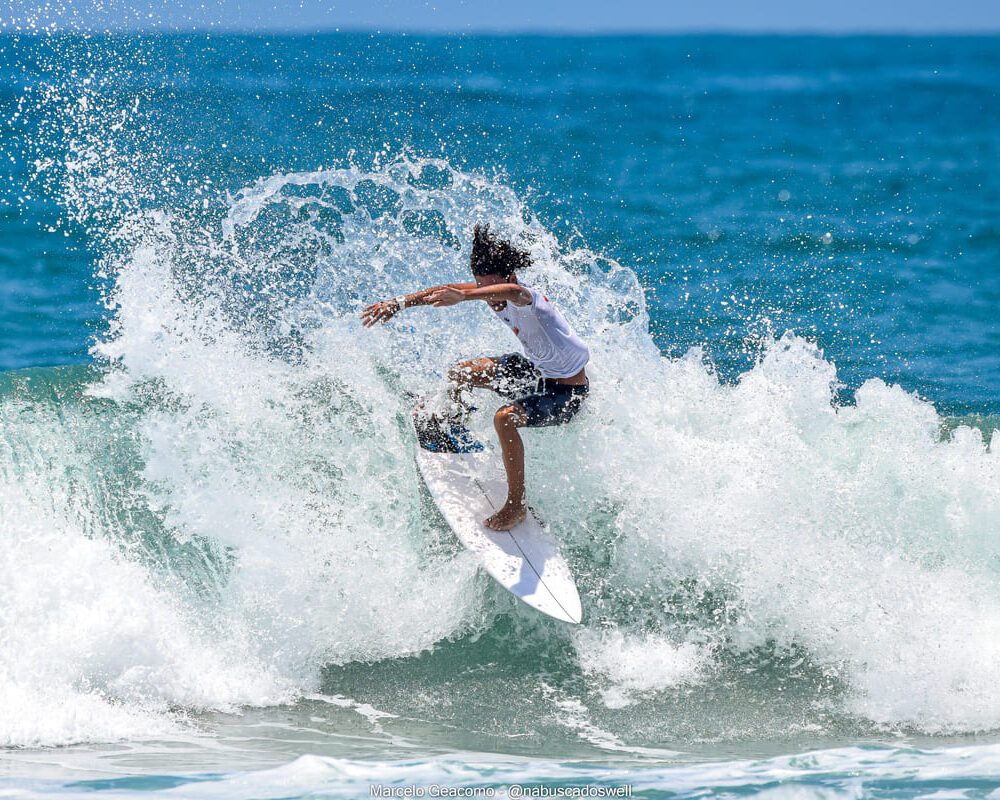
[{"x": 221, "y": 573}]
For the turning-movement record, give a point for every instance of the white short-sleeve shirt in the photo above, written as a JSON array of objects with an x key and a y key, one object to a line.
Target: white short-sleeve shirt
[{"x": 548, "y": 340}]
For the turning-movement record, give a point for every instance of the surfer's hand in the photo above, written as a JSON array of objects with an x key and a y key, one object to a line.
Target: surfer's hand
[
  {"x": 382, "y": 311},
  {"x": 446, "y": 296}
]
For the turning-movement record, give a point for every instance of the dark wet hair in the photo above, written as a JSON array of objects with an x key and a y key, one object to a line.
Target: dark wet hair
[{"x": 494, "y": 256}]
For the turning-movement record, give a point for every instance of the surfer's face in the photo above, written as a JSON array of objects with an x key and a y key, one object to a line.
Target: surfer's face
[{"x": 493, "y": 280}]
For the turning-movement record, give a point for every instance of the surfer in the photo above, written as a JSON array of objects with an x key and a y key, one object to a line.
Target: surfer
[{"x": 545, "y": 386}]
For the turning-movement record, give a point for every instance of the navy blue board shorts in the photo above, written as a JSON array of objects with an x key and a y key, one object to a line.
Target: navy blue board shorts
[{"x": 545, "y": 401}]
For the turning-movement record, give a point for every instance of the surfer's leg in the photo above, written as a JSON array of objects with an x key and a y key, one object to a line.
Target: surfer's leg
[
  {"x": 506, "y": 421},
  {"x": 477, "y": 373},
  {"x": 511, "y": 376}
]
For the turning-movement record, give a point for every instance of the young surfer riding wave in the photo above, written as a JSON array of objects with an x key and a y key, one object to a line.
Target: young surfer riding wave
[{"x": 546, "y": 385}]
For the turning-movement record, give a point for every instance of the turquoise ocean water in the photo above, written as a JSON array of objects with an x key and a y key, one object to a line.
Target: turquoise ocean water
[{"x": 220, "y": 573}]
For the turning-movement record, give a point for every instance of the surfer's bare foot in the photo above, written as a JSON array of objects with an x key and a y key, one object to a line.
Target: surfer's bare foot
[{"x": 507, "y": 517}]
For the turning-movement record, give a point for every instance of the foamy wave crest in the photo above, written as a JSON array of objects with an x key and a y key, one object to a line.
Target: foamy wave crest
[
  {"x": 93, "y": 648},
  {"x": 856, "y": 540}
]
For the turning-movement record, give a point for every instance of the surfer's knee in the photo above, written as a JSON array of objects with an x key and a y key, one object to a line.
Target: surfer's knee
[
  {"x": 508, "y": 417},
  {"x": 460, "y": 372},
  {"x": 477, "y": 372}
]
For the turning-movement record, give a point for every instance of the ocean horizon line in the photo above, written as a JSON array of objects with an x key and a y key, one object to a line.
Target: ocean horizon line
[{"x": 488, "y": 33}]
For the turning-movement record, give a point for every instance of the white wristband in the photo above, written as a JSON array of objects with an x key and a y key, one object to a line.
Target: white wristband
[{"x": 401, "y": 302}]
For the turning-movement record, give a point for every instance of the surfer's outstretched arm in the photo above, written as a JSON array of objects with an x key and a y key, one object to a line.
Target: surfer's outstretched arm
[
  {"x": 490, "y": 292},
  {"x": 384, "y": 310}
]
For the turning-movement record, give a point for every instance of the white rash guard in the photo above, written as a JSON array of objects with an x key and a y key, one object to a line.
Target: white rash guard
[{"x": 548, "y": 340}]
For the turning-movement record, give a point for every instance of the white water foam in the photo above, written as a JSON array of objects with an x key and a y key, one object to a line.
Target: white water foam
[
  {"x": 630, "y": 665},
  {"x": 854, "y": 533},
  {"x": 93, "y": 649}
]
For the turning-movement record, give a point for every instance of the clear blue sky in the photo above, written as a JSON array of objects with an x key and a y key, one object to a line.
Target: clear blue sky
[{"x": 830, "y": 16}]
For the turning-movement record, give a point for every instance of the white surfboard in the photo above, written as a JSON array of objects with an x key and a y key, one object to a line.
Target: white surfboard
[{"x": 469, "y": 487}]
